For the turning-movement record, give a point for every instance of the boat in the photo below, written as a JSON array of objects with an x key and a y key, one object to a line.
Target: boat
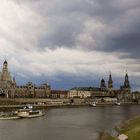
[
  {"x": 26, "y": 112},
  {"x": 92, "y": 104},
  {"x": 29, "y": 113},
  {"x": 117, "y": 103}
]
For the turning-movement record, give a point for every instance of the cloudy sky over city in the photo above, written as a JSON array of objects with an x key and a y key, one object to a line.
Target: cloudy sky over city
[{"x": 71, "y": 42}]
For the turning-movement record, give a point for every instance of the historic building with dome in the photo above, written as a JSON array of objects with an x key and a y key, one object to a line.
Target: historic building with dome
[
  {"x": 9, "y": 88},
  {"x": 104, "y": 91}
]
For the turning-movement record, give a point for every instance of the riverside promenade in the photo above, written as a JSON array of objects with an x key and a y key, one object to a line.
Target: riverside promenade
[{"x": 39, "y": 103}]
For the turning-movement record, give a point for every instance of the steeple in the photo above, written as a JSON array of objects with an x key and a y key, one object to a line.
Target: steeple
[
  {"x": 126, "y": 81},
  {"x": 110, "y": 82},
  {"x": 5, "y": 66}
]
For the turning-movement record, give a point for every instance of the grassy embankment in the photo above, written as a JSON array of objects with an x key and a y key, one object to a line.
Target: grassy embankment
[{"x": 131, "y": 128}]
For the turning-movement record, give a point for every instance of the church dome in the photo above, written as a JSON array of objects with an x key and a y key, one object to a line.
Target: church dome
[
  {"x": 102, "y": 80},
  {"x": 5, "y": 62}
]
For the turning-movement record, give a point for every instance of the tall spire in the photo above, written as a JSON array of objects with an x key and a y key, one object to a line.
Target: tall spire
[
  {"x": 110, "y": 81},
  {"x": 126, "y": 81}
]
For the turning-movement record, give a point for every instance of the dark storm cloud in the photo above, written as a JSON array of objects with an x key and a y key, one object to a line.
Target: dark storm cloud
[
  {"x": 63, "y": 33},
  {"x": 129, "y": 43},
  {"x": 66, "y": 21}
]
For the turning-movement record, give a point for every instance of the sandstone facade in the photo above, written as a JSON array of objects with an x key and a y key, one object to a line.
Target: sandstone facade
[{"x": 9, "y": 89}]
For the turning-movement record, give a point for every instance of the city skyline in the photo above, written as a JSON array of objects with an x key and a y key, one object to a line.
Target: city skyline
[
  {"x": 71, "y": 43},
  {"x": 6, "y": 75}
]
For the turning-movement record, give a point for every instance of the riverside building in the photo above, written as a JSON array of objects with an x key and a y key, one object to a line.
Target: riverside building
[
  {"x": 104, "y": 92},
  {"x": 9, "y": 88}
]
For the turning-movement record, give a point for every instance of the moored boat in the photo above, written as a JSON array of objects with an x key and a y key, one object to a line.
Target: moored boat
[
  {"x": 28, "y": 113},
  {"x": 36, "y": 113},
  {"x": 92, "y": 104},
  {"x": 117, "y": 103}
]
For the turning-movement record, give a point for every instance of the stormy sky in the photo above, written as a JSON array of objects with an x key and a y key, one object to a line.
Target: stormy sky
[{"x": 71, "y": 42}]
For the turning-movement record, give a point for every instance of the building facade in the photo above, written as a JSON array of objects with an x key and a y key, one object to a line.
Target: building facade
[
  {"x": 104, "y": 92},
  {"x": 125, "y": 94},
  {"x": 9, "y": 88},
  {"x": 59, "y": 94},
  {"x": 79, "y": 92}
]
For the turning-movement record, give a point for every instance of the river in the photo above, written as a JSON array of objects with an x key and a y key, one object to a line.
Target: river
[{"x": 82, "y": 123}]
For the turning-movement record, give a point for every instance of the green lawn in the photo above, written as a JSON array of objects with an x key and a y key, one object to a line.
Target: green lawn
[{"x": 131, "y": 128}]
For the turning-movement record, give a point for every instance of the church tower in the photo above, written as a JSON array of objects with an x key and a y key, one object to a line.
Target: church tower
[
  {"x": 103, "y": 85},
  {"x": 110, "y": 82},
  {"x": 126, "y": 87},
  {"x": 126, "y": 82},
  {"x": 5, "y": 75}
]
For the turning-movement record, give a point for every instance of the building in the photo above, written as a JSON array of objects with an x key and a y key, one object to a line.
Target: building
[
  {"x": 9, "y": 88},
  {"x": 126, "y": 87},
  {"x": 89, "y": 92},
  {"x": 79, "y": 92},
  {"x": 30, "y": 90},
  {"x": 136, "y": 96},
  {"x": 110, "y": 83},
  {"x": 7, "y": 84},
  {"x": 103, "y": 85},
  {"x": 62, "y": 94},
  {"x": 124, "y": 94}
]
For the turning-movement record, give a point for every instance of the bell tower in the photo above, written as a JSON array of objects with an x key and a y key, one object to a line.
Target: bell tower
[
  {"x": 5, "y": 76},
  {"x": 110, "y": 82},
  {"x": 102, "y": 85},
  {"x": 126, "y": 82},
  {"x": 5, "y": 66}
]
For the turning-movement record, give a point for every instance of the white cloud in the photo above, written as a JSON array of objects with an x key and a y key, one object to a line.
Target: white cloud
[
  {"x": 92, "y": 30},
  {"x": 20, "y": 27},
  {"x": 68, "y": 61},
  {"x": 72, "y": 32}
]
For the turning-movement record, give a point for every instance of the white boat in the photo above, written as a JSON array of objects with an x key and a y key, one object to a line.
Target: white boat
[
  {"x": 92, "y": 104},
  {"x": 28, "y": 113},
  {"x": 117, "y": 103}
]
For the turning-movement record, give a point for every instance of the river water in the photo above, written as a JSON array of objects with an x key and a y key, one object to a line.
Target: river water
[{"x": 81, "y": 123}]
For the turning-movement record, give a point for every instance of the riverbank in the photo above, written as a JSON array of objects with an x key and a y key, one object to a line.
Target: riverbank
[
  {"x": 39, "y": 103},
  {"x": 130, "y": 128}
]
